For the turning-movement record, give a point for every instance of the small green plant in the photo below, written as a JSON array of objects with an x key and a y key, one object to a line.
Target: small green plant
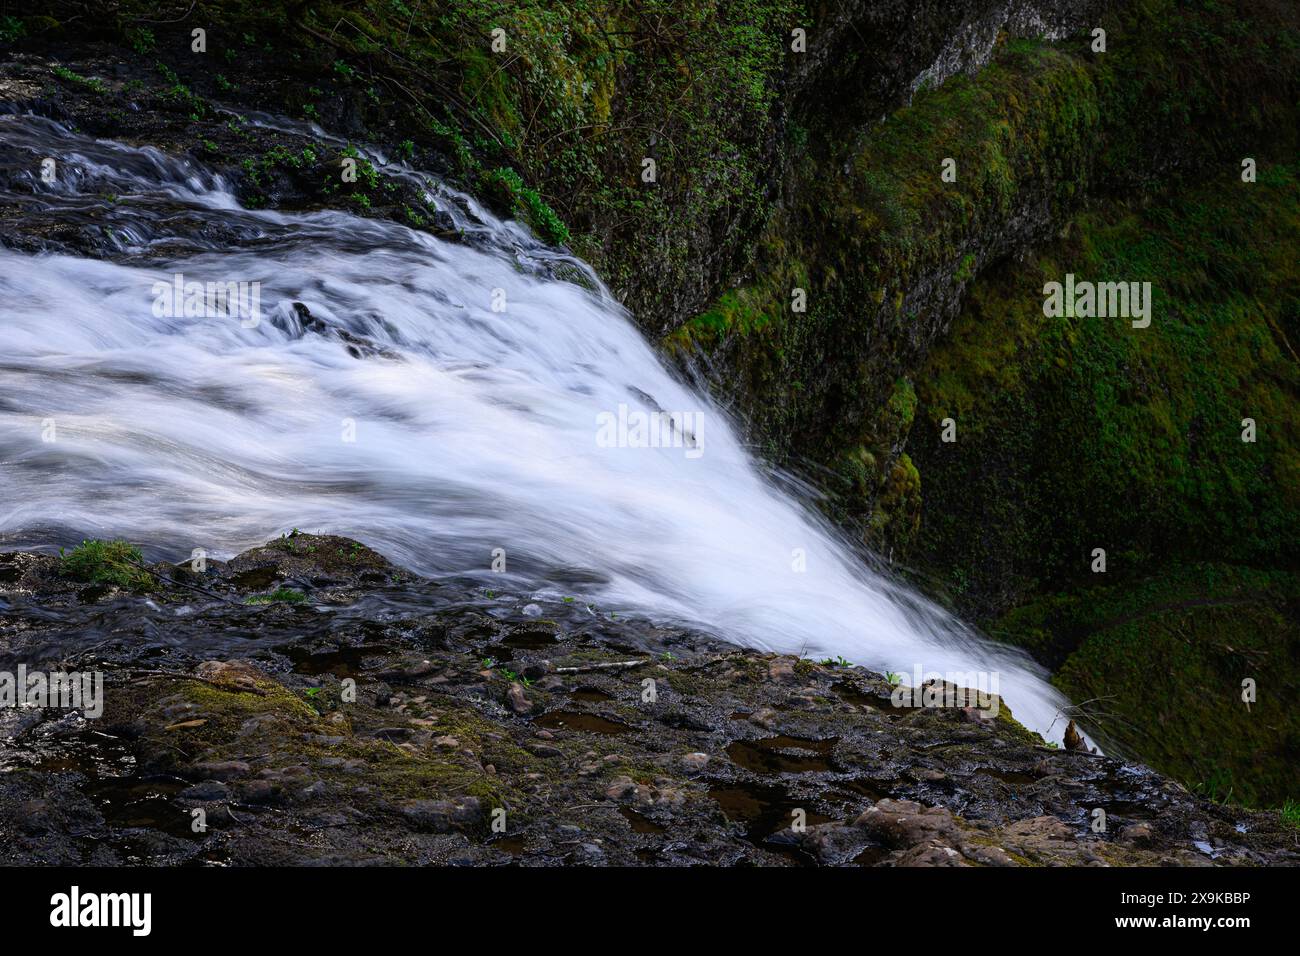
[
  {"x": 90, "y": 83},
  {"x": 11, "y": 28},
  {"x": 142, "y": 40},
  {"x": 966, "y": 268},
  {"x": 836, "y": 662},
  {"x": 526, "y": 201},
  {"x": 1290, "y": 813},
  {"x": 278, "y": 596},
  {"x": 105, "y": 562},
  {"x": 1217, "y": 788},
  {"x": 892, "y": 679},
  {"x": 181, "y": 94}
]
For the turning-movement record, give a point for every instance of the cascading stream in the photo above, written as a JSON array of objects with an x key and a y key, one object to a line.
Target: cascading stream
[{"x": 381, "y": 396}]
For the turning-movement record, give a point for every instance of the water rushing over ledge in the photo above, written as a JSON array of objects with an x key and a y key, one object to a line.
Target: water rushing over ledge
[{"x": 385, "y": 393}]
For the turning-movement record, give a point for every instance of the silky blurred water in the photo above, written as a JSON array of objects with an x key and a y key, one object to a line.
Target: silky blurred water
[{"x": 438, "y": 400}]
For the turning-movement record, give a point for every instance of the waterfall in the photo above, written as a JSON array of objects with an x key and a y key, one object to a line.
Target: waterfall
[{"x": 444, "y": 401}]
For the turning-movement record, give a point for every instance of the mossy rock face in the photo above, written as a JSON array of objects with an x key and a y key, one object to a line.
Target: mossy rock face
[
  {"x": 1084, "y": 433},
  {"x": 886, "y": 249},
  {"x": 1193, "y": 671}
]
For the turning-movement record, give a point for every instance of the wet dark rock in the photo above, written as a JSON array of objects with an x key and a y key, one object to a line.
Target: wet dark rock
[
  {"x": 259, "y": 791},
  {"x": 443, "y": 815},
  {"x": 222, "y": 769},
  {"x": 205, "y": 791},
  {"x": 250, "y": 721},
  {"x": 1137, "y": 834},
  {"x": 519, "y": 702},
  {"x": 903, "y": 823},
  {"x": 695, "y": 762}
]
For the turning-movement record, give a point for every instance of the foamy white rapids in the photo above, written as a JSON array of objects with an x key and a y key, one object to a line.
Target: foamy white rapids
[{"x": 473, "y": 429}]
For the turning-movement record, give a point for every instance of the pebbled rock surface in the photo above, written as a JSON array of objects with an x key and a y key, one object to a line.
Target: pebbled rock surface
[{"x": 384, "y": 718}]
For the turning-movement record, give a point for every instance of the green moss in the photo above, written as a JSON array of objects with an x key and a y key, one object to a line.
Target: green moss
[
  {"x": 11, "y": 29},
  {"x": 854, "y": 242},
  {"x": 291, "y": 731},
  {"x": 90, "y": 83},
  {"x": 1083, "y": 433},
  {"x": 741, "y": 311},
  {"x": 867, "y": 223},
  {"x": 897, "y": 515},
  {"x": 580, "y": 94},
  {"x": 106, "y": 562}
]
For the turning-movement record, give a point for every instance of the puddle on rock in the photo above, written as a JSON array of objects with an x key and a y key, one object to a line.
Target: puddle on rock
[
  {"x": 587, "y": 723},
  {"x": 852, "y": 695},
  {"x": 783, "y": 754},
  {"x": 342, "y": 662},
  {"x": 1129, "y": 810},
  {"x": 640, "y": 823},
  {"x": 131, "y": 803},
  {"x": 9, "y": 570},
  {"x": 256, "y": 579},
  {"x": 528, "y": 639},
  {"x": 126, "y": 800},
  {"x": 852, "y": 791},
  {"x": 764, "y": 809},
  {"x": 1017, "y": 777},
  {"x": 514, "y": 845}
]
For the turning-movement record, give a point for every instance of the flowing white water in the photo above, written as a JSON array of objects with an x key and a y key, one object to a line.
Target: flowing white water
[{"x": 461, "y": 431}]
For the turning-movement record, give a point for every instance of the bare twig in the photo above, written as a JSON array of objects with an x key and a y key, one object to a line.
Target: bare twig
[{"x": 607, "y": 666}]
